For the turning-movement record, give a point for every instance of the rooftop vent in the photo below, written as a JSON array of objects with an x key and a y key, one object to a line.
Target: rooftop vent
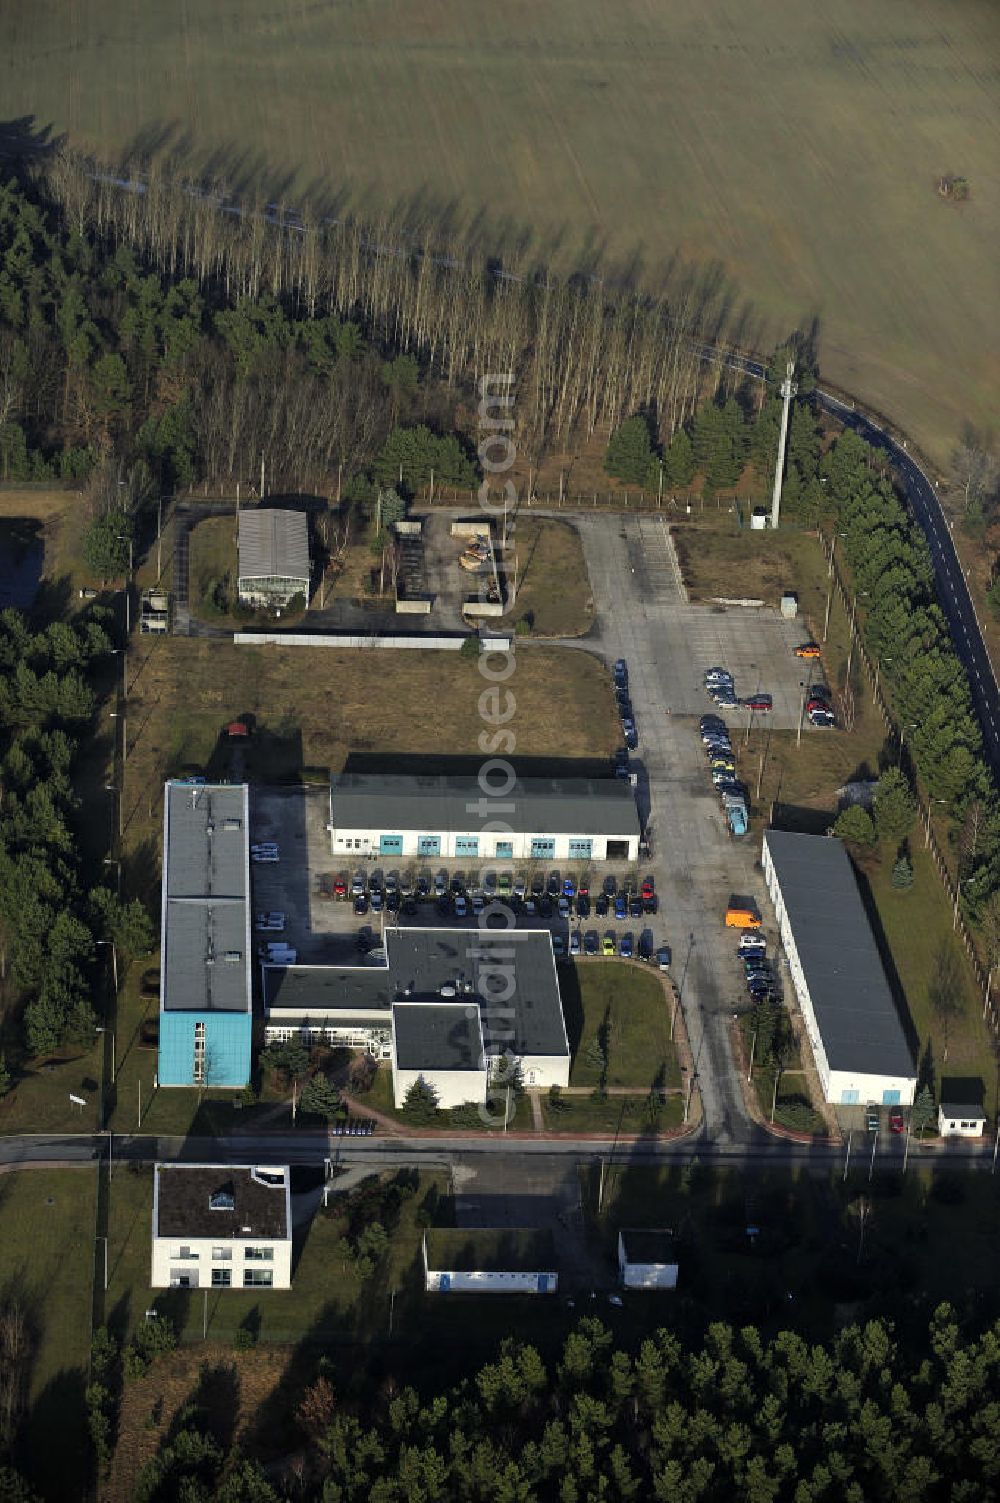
[
  {"x": 233, "y": 957},
  {"x": 447, "y": 991},
  {"x": 232, "y": 824},
  {"x": 222, "y": 1200}
]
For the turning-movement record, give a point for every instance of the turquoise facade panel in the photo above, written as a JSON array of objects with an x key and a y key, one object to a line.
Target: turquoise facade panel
[{"x": 228, "y": 1038}]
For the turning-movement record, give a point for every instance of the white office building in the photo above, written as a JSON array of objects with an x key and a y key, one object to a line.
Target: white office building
[
  {"x": 396, "y": 817},
  {"x": 452, "y": 1007},
  {"x": 221, "y": 1226},
  {"x": 855, "y": 1031}
]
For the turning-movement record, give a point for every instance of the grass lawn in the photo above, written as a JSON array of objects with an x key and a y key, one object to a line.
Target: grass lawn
[
  {"x": 47, "y": 1255},
  {"x": 630, "y": 1115},
  {"x": 553, "y": 589},
  {"x": 792, "y": 1105},
  {"x": 211, "y": 564},
  {"x": 929, "y": 958},
  {"x": 623, "y": 1009},
  {"x": 601, "y": 127},
  {"x": 327, "y": 1303}
]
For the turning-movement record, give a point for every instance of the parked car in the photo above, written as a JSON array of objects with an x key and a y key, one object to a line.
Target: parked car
[
  {"x": 582, "y": 906},
  {"x": 272, "y": 922},
  {"x": 340, "y": 888},
  {"x": 872, "y": 1118},
  {"x": 823, "y": 718},
  {"x": 897, "y": 1122},
  {"x": 574, "y": 942},
  {"x": 558, "y": 945},
  {"x": 726, "y": 698},
  {"x": 537, "y": 885},
  {"x": 564, "y": 907},
  {"x": 647, "y": 887},
  {"x": 393, "y": 900},
  {"x": 718, "y": 676},
  {"x": 608, "y": 944},
  {"x": 504, "y": 884},
  {"x": 263, "y": 858},
  {"x": 569, "y": 888},
  {"x": 632, "y": 737},
  {"x": 712, "y": 723},
  {"x": 626, "y": 946},
  {"x": 357, "y": 885},
  {"x": 554, "y": 885},
  {"x": 651, "y": 904},
  {"x": 360, "y": 904},
  {"x": 820, "y": 691},
  {"x": 601, "y": 905},
  {"x": 663, "y": 957},
  {"x": 635, "y": 908},
  {"x": 440, "y": 883},
  {"x": 377, "y": 901},
  {"x": 520, "y": 887},
  {"x": 645, "y": 945},
  {"x": 808, "y": 650},
  {"x": 610, "y": 886},
  {"x": 760, "y": 702},
  {"x": 751, "y": 944},
  {"x": 621, "y": 906},
  {"x": 461, "y": 907},
  {"x": 591, "y": 942},
  {"x": 620, "y": 672}
]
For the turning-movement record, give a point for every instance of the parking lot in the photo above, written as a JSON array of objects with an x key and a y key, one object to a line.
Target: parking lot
[{"x": 324, "y": 930}]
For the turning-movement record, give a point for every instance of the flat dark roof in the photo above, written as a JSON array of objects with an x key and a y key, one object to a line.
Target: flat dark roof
[
  {"x": 437, "y": 1036},
  {"x": 533, "y": 806},
  {"x": 328, "y": 988},
  {"x": 475, "y": 1249},
  {"x": 205, "y": 940},
  {"x": 643, "y": 1246},
  {"x": 510, "y": 973},
  {"x": 185, "y": 1192},
  {"x": 855, "y": 1009}
]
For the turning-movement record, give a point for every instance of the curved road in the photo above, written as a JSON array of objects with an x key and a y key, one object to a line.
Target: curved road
[{"x": 952, "y": 587}]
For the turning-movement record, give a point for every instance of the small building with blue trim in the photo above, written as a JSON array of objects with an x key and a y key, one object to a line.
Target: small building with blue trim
[{"x": 206, "y": 997}]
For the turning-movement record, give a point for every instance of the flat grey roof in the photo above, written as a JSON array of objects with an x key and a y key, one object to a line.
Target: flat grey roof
[
  {"x": 643, "y": 1246},
  {"x": 855, "y": 1010},
  {"x": 328, "y": 988},
  {"x": 273, "y": 543},
  {"x": 437, "y": 1036},
  {"x": 205, "y": 939},
  {"x": 511, "y": 974},
  {"x": 541, "y": 806},
  {"x": 246, "y": 1204},
  {"x": 475, "y": 1249}
]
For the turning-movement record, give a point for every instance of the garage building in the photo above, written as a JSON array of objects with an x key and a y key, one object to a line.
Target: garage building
[
  {"x": 273, "y": 556},
  {"x": 397, "y": 816},
  {"x": 448, "y": 1006},
  {"x": 858, "y": 1040},
  {"x": 482, "y": 1260},
  {"x": 205, "y": 987}
]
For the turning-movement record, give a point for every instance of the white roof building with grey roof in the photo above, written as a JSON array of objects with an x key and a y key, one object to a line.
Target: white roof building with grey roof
[
  {"x": 854, "y": 1026},
  {"x": 453, "y": 1006},
  {"x": 433, "y": 816},
  {"x": 273, "y": 555},
  {"x": 205, "y": 912}
]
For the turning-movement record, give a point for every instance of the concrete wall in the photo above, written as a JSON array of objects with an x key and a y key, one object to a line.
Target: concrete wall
[
  {"x": 344, "y": 844},
  {"x": 474, "y": 528},
  {"x": 227, "y": 1048},
  {"x": 428, "y": 643},
  {"x": 462, "y": 1281},
  {"x": 473, "y": 606},
  {"x": 168, "y": 1266},
  {"x": 421, "y": 607},
  {"x": 454, "y": 1087}
]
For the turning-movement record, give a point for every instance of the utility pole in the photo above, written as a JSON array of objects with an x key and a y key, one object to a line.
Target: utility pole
[
  {"x": 788, "y": 390},
  {"x": 847, "y": 1156},
  {"x": 262, "y": 474},
  {"x": 753, "y": 1050}
]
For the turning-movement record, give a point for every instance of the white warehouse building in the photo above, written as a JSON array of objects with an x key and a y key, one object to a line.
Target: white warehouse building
[
  {"x": 221, "y": 1226},
  {"x": 398, "y": 817},
  {"x": 484, "y": 1260},
  {"x": 857, "y": 1037},
  {"x": 449, "y": 1006}
]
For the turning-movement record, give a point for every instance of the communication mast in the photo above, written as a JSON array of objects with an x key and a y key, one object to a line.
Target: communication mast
[{"x": 788, "y": 390}]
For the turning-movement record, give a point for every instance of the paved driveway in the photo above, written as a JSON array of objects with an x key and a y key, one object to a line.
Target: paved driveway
[{"x": 642, "y": 615}]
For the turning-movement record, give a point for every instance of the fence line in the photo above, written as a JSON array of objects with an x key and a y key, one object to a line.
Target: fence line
[{"x": 983, "y": 978}]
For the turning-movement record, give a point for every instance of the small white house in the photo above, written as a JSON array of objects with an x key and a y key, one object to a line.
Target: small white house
[
  {"x": 958, "y": 1119},
  {"x": 221, "y": 1226},
  {"x": 647, "y": 1260},
  {"x": 482, "y": 1260}
]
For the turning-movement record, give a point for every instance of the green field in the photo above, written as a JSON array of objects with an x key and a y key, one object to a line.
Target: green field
[
  {"x": 47, "y": 1255},
  {"x": 795, "y": 148},
  {"x": 622, "y": 1010}
]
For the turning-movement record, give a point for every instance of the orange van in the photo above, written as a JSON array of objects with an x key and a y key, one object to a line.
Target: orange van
[{"x": 742, "y": 918}]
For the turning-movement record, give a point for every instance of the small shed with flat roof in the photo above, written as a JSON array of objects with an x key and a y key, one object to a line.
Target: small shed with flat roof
[
  {"x": 961, "y": 1113},
  {"x": 488, "y": 1260},
  {"x": 854, "y": 1026},
  {"x": 647, "y": 1259}
]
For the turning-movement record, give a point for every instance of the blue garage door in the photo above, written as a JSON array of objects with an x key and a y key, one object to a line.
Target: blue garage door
[
  {"x": 849, "y": 1098},
  {"x": 505, "y": 850},
  {"x": 466, "y": 845},
  {"x": 390, "y": 845},
  {"x": 429, "y": 845},
  {"x": 579, "y": 850},
  {"x": 542, "y": 849},
  {"x": 890, "y": 1098}
]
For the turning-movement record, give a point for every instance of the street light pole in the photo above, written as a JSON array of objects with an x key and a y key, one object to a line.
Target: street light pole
[
  {"x": 802, "y": 711},
  {"x": 871, "y": 1166},
  {"x": 753, "y": 1046},
  {"x": 847, "y": 1156}
]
